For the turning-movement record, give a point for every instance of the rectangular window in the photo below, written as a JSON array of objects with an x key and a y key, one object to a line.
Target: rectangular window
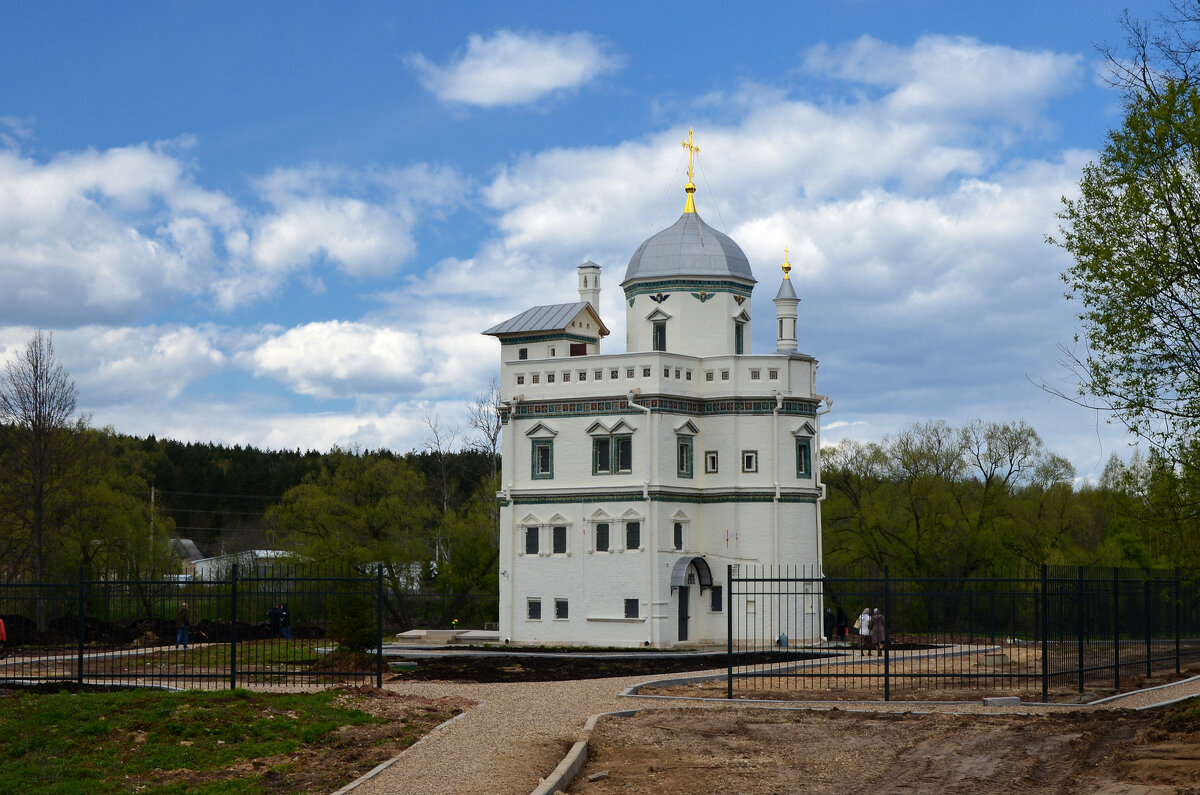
[
  {"x": 531, "y": 540},
  {"x": 645, "y": 372},
  {"x": 566, "y": 377},
  {"x": 677, "y": 537},
  {"x": 599, "y": 374},
  {"x": 533, "y": 609},
  {"x": 628, "y": 372},
  {"x": 631, "y": 608},
  {"x": 560, "y": 540},
  {"x": 724, "y": 375},
  {"x": 749, "y": 460},
  {"x": 536, "y": 377},
  {"x": 710, "y": 461},
  {"x": 633, "y": 535},
  {"x": 804, "y": 458},
  {"x": 666, "y": 372},
  {"x": 683, "y": 447},
  {"x": 773, "y": 375},
  {"x": 543, "y": 459},
  {"x": 602, "y": 456},
  {"x": 583, "y": 375},
  {"x": 601, "y": 536},
  {"x": 755, "y": 375},
  {"x": 522, "y": 353},
  {"x": 676, "y": 373},
  {"x": 739, "y": 337},
  {"x": 549, "y": 378},
  {"x": 660, "y": 335},
  {"x": 613, "y": 374},
  {"x": 579, "y": 349},
  {"x": 560, "y": 609},
  {"x": 718, "y": 603},
  {"x": 624, "y": 457},
  {"x": 520, "y": 380},
  {"x": 688, "y": 374},
  {"x": 551, "y": 353},
  {"x": 708, "y": 375}
]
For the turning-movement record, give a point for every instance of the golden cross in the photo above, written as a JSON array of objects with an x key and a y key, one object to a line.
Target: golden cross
[
  {"x": 692, "y": 149},
  {"x": 787, "y": 266}
]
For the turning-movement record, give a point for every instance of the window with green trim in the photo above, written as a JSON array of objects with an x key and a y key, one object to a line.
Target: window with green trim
[
  {"x": 683, "y": 447},
  {"x": 739, "y": 337},
  {"x": 612, "y": 455},
  {"x": 543, "y": 459},
  {"x": 804, "y": 458},
  {"x": 660, "y": 335},
  {"x": 633, "y": 535}
]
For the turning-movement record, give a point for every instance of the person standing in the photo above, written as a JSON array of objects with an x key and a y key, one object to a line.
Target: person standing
[
  {"x": 830, "y": 624},
  {"x": 285, "y": 627},
  {"x": 878, "y": 631},
  {"x": 275, "y": 616},
  {"x": 863, "y": 625},
  {"x": 183, "y": 622},
  {"x": 842, "y": 622}
]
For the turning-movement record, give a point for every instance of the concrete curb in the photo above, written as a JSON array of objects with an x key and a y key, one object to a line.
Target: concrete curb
[
  {"x": 1168, "y": 702},
  {"x": 575, "y": 759},
  {"x": 382, "y": 766}
]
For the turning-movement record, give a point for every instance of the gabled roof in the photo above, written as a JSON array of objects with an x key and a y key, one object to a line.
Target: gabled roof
[{"x": 552, "y": 317}]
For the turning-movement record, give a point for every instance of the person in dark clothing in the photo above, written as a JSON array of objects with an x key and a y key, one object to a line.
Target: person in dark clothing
[
  {"x": 878, "y": 631},
  {"x": 830, "y": 623},
  {"x": 275, "y": 616},
  {"x": 285, "y": 628},
  {"x": 842, "y": 624},
  {"x": 183, "y": 622}
]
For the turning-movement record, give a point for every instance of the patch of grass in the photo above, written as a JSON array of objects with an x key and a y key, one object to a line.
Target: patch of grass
[
  {"x": 114, "y": 742},
  {"x": 1184, "y": 717}
]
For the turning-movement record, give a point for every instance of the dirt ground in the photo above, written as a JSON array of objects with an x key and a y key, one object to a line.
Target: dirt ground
[{"x": 756, "y": 751}]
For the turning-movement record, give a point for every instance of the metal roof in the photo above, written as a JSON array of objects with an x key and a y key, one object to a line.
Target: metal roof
[
  {"x": 552, "y": 317},
  {"x": 689, "y": 247}
]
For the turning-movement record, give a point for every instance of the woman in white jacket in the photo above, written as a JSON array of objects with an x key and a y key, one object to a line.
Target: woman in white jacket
[{"x": 863, "y": 625}]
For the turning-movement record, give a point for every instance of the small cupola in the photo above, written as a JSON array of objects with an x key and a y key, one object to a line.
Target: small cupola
[{"x": 786, "y": 313}]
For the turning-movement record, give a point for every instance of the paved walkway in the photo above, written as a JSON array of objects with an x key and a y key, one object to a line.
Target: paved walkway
[{"x": 520, "y": 731}]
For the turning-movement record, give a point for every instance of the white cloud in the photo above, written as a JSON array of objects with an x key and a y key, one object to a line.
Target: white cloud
[{"x": 510, "y": 68}]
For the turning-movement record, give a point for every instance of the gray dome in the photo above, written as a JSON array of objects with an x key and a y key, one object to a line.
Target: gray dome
[{"x": 688, "y": 248}]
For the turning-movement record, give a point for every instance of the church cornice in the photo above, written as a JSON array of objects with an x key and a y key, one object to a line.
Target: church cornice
[
  {"x": 661, "y": 404},
  {"x": 711, "y": 497},
  {"x": 705, "y": 287}
]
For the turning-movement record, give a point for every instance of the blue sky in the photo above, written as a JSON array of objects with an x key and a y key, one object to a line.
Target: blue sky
[{"x": 285, "y": 224}]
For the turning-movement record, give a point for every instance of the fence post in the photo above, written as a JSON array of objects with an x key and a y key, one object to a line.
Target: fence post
[
  {"x": 379, "y": 607},
  {"x": 82, "y": 628},
  {"x": 887, "y": 623},
  {"x": 1176, "y": 600},
  {"x": 1116, "y": 628},
  {"x": 1079, "y": 624},
  {"x": 1148, "y": 619},
  {"x": 1045, "y": 637},
  {"x": 729, "y": 630},
  {"x": 233, "y": 614}
]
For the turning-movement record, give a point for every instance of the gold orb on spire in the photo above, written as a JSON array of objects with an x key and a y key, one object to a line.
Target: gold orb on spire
[
  {"x": 690, "y": 187},
  {"x": 787, "y": 266}
]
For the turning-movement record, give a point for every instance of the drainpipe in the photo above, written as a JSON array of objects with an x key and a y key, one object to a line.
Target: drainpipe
[
  {"x": 817, "y": 475},
  {"x": 775, "y": 468},
  {"x": 650, "y": 542}
]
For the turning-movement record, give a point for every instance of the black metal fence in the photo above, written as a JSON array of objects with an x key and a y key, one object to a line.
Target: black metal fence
[
  {"x": 1055, "y": 635},
  {"x": 275, "y": 626}
]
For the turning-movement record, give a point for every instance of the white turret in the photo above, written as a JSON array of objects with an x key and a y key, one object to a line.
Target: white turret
[
  {"x": 589, "y": 284},
  {"x": 785, "y": 312}
]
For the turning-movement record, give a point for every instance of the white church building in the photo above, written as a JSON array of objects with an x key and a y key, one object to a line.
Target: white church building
[{"x": 631, "y": 481}]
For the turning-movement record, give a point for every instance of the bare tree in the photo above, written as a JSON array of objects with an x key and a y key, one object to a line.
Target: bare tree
[
  {"x": 1155, "y": 53},
  {"x": 37, "y": 399},
  {"x": 440, "y": 444},
  {"x": 483, "y": 414}
]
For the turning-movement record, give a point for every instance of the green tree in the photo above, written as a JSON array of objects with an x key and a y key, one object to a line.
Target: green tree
[
  {"x": 1132, "y": 234},
  {"x": 362, "y": 508},
  {"x": 37, "y": 402}
]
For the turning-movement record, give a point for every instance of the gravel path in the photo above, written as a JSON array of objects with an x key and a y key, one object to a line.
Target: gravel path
[{"x": 520, "y": 731}]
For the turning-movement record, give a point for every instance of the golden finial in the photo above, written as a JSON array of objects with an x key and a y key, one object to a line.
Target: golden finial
[
  {"x": 690, "y": 205},
  {"x": 787, "y": 266}
]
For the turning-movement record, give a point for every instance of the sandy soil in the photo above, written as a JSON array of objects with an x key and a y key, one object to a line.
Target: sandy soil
[{"x": 773, "y": 751}]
